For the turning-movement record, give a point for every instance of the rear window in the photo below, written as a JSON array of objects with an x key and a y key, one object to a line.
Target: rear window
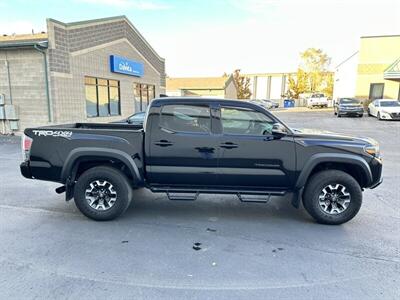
[
  {"x": 186, "y": 118},
  {"x": 317, "y": 96}
]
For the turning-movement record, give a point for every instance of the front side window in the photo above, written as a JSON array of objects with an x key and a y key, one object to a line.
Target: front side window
[
  {"x": 186, "y": 118},
  {"x": 102, "y": 97},
  {"x": 245, "y": 121}
]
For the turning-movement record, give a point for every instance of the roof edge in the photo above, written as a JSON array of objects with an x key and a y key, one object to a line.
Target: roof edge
[
  {"x": 25, "y": 44},
  {"x": 108, "y": 19}
]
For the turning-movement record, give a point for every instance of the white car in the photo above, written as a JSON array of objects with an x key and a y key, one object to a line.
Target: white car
[{"x": 384, "y": 109}]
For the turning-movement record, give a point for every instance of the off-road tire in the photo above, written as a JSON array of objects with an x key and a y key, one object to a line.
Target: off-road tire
[
  {"x": 314, "y": 188},
  {"x": 120, "y": 184}
]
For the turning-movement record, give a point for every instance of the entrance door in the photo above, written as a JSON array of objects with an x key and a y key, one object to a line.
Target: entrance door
[
  {"x": 250, "y": 156},
  {"x": 376, "y": 91},
  {"x": 182, "y": 148}
]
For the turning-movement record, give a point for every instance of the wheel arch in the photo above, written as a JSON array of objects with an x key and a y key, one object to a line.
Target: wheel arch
[
  {"x": 81, "y": 159},
  {"x": 351, "y": 164}
]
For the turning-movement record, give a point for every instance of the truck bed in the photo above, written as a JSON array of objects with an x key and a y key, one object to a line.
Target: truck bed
[
  {"x": 55, "y": 147},
  {"x": 114, "y": 126}
]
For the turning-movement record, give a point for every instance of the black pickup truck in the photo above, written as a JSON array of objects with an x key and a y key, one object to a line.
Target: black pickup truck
[{"x": 190, "y": 146}]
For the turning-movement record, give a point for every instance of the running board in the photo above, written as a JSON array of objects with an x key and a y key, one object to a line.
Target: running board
[
  {"x": 185, "y": 194},
  {"x": 254, "y": 198}
]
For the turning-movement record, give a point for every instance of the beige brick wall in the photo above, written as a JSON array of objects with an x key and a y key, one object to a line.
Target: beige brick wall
[
  {"x": 27, "y": 85},
  {"x": 68, "y": 90}
]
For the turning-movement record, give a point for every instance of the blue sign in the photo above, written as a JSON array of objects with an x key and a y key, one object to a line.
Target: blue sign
[{"x": 126, "y": 66}]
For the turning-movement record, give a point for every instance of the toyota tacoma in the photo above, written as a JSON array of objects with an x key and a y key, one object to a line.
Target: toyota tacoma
[{"x": 190, "y": 146}]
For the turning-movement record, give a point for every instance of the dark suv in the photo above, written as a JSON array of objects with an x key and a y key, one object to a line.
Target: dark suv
[{"x": 348, "y": 107}]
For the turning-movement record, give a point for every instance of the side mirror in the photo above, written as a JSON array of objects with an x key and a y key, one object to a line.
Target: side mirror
[{"x": 278, "y": 130}]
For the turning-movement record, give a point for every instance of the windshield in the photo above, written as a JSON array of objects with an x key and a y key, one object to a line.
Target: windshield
[
  {"x": 317, "y": 96},
  {"x": 389, "y": 103},
  {"x": 349, "y": 101},
  {"x": 137, "y": 117}
]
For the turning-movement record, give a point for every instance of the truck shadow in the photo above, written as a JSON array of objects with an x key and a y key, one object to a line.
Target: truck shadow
[{"x": 208, "y": 207}]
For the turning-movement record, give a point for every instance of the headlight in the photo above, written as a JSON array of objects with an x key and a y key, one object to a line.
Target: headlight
[
  {"x": 372, "y": 150},
  {"x": 385, "y": 112}
]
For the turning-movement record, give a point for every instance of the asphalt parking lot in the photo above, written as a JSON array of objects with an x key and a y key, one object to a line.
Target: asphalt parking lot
[{"x": 245, "y": 251}]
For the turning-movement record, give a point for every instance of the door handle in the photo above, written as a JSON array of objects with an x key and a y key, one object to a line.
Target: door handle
[
  {"x": 163, "y": 143},
  {"x": 228, "y": 145}
]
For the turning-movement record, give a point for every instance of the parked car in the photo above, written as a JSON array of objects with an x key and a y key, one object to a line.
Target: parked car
[
  {"x": 384, "y": 109},
  {"x": 135, "y": 119},
  {"x": 317, "y": 100},
  {"x": 191, "y": 146},
  {"x": 268, "y": 104},
  {"x": 348, "y": 107}
]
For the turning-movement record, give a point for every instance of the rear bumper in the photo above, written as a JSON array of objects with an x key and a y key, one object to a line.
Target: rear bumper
[{"x": 25, "y": 170}]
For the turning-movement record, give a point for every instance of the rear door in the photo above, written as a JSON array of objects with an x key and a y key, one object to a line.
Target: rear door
[
  {"x": 183, "y": 150},
  {"x": 250, "y": 156}
]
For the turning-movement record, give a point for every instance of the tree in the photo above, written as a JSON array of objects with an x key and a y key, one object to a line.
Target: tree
[
  {"x": 329, "y": 83},
  {"x": 315, "y": 63},
  {"x": 297, "y": 84},
  {"x": 242, "y": 84}
]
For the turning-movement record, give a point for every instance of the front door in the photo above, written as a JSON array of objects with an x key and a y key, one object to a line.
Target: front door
[
  {"x": 182, "y": 149},
  {"x": 250, "y": 156}
]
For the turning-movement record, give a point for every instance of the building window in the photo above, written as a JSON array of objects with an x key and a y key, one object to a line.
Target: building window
[
  {"x": 102, "y": 97},
  {"x": 376, "y": 91},
  {"x": 144, "y": 93}
]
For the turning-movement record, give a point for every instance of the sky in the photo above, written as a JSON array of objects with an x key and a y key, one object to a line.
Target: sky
[{"x": 210, "y": 37}]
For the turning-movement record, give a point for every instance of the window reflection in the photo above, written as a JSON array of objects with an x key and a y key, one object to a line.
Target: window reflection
[{"x": 102, "y": 97}]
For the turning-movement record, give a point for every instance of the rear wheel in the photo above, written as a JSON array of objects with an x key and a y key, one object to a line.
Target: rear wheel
[
  {"x": 102, "y": 193},
  {"x": 332, "y": 197}
]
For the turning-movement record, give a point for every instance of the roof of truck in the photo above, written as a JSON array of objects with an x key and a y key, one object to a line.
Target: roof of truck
[{"x": 163, "y": 100}]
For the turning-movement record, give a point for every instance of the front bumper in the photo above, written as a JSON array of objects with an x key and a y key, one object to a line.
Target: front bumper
[
  {"x": 376, "y": 184},
  {"x": 25, "y": 169},
  {"x": 390, "y": 116},
  {"x": 351, "y": 112},
  {"x": 377, "y": 174}
]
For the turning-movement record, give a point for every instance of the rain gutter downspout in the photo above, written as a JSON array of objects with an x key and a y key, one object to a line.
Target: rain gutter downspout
[
  {"x": 49, "y": 104},
  {"x": 9, "y": 78}
]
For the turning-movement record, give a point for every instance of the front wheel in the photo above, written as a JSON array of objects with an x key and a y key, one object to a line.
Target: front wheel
[
  {"x": 332, "y": 197},
  {"x": 102, "y": 193},
  {"x": 379, "y": 116}
]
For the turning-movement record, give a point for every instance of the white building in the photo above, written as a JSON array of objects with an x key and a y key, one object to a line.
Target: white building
[
  {"x": 269, "y": 85},
  {"x": 346, "y": 77}
]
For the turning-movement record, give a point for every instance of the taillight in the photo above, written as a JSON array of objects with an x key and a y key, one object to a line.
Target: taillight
[{"x": 26, "y": 146}]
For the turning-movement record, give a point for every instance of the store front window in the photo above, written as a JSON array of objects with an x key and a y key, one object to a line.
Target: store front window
[
  {"x": 144, "y": 93},
  {"x": 102, "y": 97}
]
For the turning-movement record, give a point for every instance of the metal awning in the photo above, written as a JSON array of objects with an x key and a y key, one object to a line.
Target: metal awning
[{"x": 393, "y": 71}]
